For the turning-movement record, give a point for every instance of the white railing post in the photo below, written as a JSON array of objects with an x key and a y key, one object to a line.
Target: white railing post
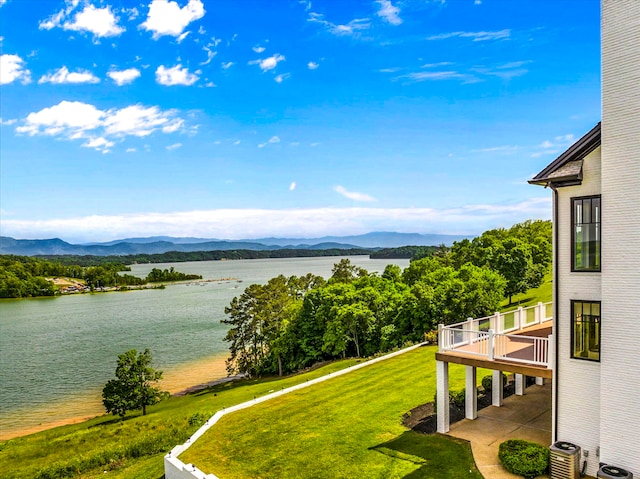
[
  {"x": 490, "y": 344},
  {"x": 542, "y": 312},
  {"x": 494, "y": 322},
  {"x": 551, "y": 353},
  {"x": 521, "y": 321},
  {"x": 440, "y": 337},
  {"x": 469, "y": 328}
]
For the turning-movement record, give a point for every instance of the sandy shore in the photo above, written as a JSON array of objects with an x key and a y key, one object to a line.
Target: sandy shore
[{"x": 179, "y": 381}]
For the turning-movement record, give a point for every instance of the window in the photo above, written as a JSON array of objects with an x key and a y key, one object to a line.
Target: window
[
  {"x": 585, "y": 330},
  {"x": 586, "y": 234}
]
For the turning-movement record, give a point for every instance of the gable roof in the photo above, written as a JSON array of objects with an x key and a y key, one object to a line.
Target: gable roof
[{"x": 566, "y": 170}]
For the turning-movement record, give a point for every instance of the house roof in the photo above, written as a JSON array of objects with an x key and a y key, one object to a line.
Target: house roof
[{"x": 566, "y": 170}]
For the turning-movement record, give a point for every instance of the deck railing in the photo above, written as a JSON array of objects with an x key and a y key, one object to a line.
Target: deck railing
[{"x": 490, "y": 337}]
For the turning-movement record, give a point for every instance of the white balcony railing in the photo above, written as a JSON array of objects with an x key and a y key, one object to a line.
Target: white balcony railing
[{"x": 493, "y": 337}]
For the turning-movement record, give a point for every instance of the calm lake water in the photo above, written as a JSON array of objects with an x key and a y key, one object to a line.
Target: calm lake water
[{"x": 56, "y": 354}]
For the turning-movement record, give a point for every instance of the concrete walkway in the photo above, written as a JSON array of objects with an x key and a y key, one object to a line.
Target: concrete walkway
[{"x": 520, "y": 417}]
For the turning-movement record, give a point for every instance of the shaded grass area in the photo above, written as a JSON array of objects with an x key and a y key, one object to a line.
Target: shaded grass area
[{"x": 349, "y": 426}]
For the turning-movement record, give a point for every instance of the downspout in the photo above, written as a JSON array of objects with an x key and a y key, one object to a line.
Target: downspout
[{"x": 556, "y": 307}]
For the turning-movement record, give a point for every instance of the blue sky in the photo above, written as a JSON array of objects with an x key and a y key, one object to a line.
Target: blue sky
[{"x": 246, "y": 118}]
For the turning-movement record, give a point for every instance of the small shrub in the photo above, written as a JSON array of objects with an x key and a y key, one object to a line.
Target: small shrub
[
  {"x": 487, "y": 381},
  {"x": 431, "y": 337},
  {"x": 456, "y": 398},
  {"x": 524, "y": 458},
  {"x": 198, "y": 419}
]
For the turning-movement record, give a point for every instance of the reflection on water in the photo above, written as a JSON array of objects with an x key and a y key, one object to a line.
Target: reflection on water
[{"x": 56, "y": 354}]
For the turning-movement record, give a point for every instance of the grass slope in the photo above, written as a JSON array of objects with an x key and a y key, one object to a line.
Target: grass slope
[{"x": 349, "y": 426}]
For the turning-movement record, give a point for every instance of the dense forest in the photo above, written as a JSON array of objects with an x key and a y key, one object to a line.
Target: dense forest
[
  {"x": 217, "y": 255},
  {"x": 292, "y": 323},
  {"x": 25, "y": 276}
]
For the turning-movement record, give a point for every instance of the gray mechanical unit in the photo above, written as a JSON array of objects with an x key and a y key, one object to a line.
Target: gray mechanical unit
[
  {"x": 614, "y": 472},
  {"x": 565, "y": 460}
]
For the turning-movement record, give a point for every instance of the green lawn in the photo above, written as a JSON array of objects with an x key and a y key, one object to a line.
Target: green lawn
[
  {"x": 541, "y": 294},
  {"x": 101, "y": 443},
  {"x": 349, "y": 426}
]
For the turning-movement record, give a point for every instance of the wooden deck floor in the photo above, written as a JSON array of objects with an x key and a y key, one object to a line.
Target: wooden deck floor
[{"x": 515, "y": 348}]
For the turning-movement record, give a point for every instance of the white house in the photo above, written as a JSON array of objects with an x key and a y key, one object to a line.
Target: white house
[
  {"x": 596, "y": 219},
  {"x": 594, "y": 352}
]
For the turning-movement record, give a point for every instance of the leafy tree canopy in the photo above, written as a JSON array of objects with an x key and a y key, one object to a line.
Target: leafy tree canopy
[{"x": 133, "y": 387}]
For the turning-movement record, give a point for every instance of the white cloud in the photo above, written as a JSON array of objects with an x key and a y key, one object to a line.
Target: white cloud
[
  {"x": 81, "y": 121},
  {"x": 131, "y": 150},
  {"x": 312, "y": 65},
  {"x": 442, "y": 75},
  {"x": 292, "y": 186},
  {"x": 8, "y": 122},
  {"x": 137, "y": 120},
  {"x": 497, "y": 149},
  {"x": 210, "y": 55},
  {"x": 12, "y": 69},
  {"x": 294, "y": 222},
  {"x": 182, "y": 37},
  {"x": 175, "y": 146},
  {"x": 475, "y": 36},
  {"x": 99, "y": 143},
  {"x": 124, "y": 77},
  {"x": 268, "y": 63},
  {"x": 63, "y": 75},
  {"x": 283, "y": 76},
  {"x": 555, "y": 146},
  {"x": 273, "y": 139},
  {"x": 352, "y": 195},
  {"x": 353, "y": 28},
  {"x": 167, "y": 18},
  {"x": 227, "y": 65},
  {"x": 99, "y": 21},
  {"x": 175, "y": 76},
  {"x": 389, "y": 12},
  {"x": 258, "y": 49}
]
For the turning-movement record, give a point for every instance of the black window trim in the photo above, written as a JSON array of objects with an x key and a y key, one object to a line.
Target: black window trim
[
  {"x": 573, "y": 301},
  {"x": 573, "y": 235}
]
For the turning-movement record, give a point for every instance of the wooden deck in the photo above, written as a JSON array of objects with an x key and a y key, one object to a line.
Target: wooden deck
[{"x": 518, "y": 349}]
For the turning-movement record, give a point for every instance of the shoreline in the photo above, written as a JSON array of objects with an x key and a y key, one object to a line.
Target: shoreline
[{"x": 184, "y": 379}]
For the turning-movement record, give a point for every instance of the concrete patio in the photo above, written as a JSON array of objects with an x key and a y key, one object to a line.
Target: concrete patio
[{"x": 520, "y": 417}]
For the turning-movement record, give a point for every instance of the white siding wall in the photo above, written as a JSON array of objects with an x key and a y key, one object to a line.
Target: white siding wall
[
  {"x": 578, "y": 414},
  {"x": 620, "y": 366}
]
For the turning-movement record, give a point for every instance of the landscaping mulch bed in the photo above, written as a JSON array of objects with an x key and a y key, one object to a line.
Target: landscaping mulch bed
[{"x": 423, "y": 418}]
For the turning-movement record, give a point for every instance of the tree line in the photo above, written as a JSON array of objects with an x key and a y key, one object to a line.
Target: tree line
[
  {"x": 293, "y": 322},
  {"x": 25, "y": 276}
]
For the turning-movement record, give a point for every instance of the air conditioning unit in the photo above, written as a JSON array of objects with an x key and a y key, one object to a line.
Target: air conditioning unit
[
  {"x": 613, "y": 472},
  {"x": 565, "y": 460}
]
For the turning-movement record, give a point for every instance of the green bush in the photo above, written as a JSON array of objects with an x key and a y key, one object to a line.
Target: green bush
[
  {"x": 524, "y": 458},
  {"x": 431, "y": 337},
  {"x": 487, "y": 381},
  {"x": 456, "y": 398}
]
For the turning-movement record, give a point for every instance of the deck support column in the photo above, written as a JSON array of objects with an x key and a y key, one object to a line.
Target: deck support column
[
  {"x": 497, "y": 393},
  {"x": 442, "y": 396},
  {"x": 471, "y": 394},
  {"x": 520, "y": 384},
  {"x": 540, "y": 381}
]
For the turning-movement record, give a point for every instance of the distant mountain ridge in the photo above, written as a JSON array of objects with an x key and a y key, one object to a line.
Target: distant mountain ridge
[{"x": 162, "y": 244}]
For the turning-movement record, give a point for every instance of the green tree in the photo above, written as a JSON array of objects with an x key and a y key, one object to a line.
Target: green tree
[{"x": 133, "y": 387}]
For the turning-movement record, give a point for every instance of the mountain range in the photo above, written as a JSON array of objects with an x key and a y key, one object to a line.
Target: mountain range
[{"x": 162, "y": 244}]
